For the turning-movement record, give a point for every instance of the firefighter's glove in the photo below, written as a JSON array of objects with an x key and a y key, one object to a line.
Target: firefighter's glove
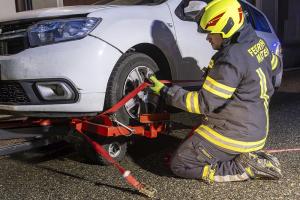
[{"x": 156, "y": 84}]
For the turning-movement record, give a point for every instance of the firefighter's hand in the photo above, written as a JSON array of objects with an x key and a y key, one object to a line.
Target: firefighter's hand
[{"x": 156, "y": 84}]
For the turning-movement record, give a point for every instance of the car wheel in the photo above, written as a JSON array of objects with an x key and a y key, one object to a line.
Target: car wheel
[
  {"x": 129, "y": 73},
  {"x": 116, "y": 148}
]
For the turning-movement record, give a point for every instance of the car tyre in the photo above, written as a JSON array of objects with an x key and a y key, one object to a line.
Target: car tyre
[
  {"x": 133, "y": 67},
  {"x": 116, "y": 148}
]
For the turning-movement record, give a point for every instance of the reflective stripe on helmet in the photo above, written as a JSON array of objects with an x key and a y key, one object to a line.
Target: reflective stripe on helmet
[
  {"x": 214, "y": 21},
  {"x": 240, "y": 14}
]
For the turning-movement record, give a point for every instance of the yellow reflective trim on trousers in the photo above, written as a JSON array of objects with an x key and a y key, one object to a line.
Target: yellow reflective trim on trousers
[
  {"x": 274, "y": 62},
  {"x": 229, "y": 140},
  {"x": 205, "y": 172},
  {"x": 196, "y": 103},
  {"x": 211, "y": 175},
  {"x": 208, "y": 174},
  {"x": 263, "y": 95},
  {"x": 220, "y": 85},
  {"x": 228, "y": 143},
  {"x": 188, "y": 101}
]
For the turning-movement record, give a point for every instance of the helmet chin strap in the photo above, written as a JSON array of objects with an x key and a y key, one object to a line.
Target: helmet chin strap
[
  {"x": 226, "y": 42},
  {"x": 233, "y": 38}
]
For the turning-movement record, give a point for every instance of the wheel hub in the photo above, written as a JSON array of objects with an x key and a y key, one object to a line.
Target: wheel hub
[
  {"x": 134, "y": 79},
  {"x": 114, "y": 149}
]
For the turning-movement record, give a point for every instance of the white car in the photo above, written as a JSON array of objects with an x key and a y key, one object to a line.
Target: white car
[{"x": 80, "y": 60}]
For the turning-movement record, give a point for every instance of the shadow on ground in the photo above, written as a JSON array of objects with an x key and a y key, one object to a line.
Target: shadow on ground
[{"x": 279, "y": 99}]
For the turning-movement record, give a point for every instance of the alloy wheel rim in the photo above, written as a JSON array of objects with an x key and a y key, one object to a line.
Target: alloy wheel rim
[
  {"x": 133, "y": 80},
  {"x": 114, "y": 149}
]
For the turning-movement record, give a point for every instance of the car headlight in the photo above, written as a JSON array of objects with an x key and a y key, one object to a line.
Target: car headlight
[{"x": 54, "y": 31}]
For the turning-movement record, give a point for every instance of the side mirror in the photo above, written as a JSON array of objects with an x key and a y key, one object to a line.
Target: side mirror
[{"x": 193, "y": 9}]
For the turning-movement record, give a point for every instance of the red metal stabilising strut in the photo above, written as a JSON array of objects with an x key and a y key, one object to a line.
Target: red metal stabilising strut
[
  {"x": 106, "y": 127},
  {"x": 152, "y": 125},
  {"x": 131, "y": 180}
]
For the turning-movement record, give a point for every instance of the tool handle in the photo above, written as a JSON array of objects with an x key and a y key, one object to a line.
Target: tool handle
[{"x": 148, "y": 75}]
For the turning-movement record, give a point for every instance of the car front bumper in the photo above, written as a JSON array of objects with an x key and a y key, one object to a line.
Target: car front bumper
[{"x": 85, "y": 64}]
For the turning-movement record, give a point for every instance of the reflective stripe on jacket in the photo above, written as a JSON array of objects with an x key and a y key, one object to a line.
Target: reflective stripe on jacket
[{"x": 235, "y": 95}]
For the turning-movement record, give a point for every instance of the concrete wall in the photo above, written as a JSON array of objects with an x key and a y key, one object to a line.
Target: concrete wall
[
  {"x": 292, "y": 23},
  {"x": 291, "y": 34},
  {"x": 284, "y": 15},
  {"x": 79, "y": 2},
  {"x": 7, "y": 8},
  {"x": 37, "y": 4},
  {"x": 269, "y": 7}
]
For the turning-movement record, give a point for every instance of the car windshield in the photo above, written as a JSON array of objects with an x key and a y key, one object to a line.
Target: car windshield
[{"x": 128, "y": 2}]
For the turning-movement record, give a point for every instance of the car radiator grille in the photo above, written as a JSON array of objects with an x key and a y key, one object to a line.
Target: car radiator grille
[
  {"x": 12, "y": 93},
  {"x": 13, "y": 38},
  {"x": 12, "y": 46}
]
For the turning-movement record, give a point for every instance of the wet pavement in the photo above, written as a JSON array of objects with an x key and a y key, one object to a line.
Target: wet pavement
[{"x": 60, "y": 173}]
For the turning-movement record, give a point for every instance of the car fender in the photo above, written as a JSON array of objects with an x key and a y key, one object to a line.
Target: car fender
[{"x": 127, "y": 26}]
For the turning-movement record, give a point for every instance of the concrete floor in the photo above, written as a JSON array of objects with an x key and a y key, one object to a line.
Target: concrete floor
[{"x": 63, "y": 174}]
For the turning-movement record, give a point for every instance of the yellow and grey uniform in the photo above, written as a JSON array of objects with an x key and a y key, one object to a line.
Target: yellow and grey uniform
[{"x": 234, "y": 98}]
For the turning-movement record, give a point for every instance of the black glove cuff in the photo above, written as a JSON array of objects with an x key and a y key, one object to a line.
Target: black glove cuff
[{"x": 164, "y": 91}]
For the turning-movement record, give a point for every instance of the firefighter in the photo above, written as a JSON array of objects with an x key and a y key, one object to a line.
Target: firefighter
[{"x": 234, "y": 99}]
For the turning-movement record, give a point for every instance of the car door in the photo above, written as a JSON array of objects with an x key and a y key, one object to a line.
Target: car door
[{"x": 195, "y": 50}]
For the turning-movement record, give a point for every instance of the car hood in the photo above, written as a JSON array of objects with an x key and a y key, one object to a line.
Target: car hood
[{"x": 55, "y": 12}]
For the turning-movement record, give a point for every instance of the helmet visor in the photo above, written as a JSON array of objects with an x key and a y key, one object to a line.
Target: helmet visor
[{"x": 198, "y": 19}]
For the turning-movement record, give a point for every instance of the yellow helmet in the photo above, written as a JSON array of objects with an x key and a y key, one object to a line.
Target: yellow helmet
[{"x": 222, "y": 16}]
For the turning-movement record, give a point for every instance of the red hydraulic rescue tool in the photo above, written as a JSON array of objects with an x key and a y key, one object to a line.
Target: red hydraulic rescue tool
[
  {"x": 104, "y": 124},
  {"x": 105, "y": 127},
  {"x": 151, "y": 126}
]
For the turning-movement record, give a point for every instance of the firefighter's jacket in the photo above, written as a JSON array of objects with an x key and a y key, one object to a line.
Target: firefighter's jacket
[{"x": 235, "y": 95}]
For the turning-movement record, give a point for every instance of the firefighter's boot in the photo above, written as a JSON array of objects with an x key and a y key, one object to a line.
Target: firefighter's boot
[{"x": 260, "y": 165}]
